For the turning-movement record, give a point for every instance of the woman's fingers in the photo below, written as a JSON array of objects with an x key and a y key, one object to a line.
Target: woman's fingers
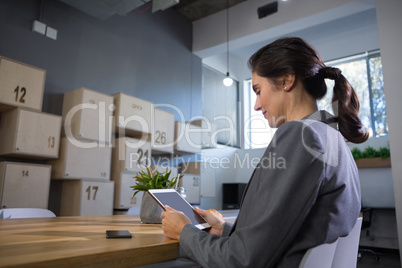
[
  {"x": 167, "y": 208},
  {"x": 173, "y": 222},
  {"x": 200, "y": 211},
  {"x": 216, "y": 212}
]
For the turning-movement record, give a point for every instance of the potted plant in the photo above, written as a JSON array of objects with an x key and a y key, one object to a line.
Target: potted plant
[
  {"x": 371, "y": 157},
  {"x": 150, "y": 211}
]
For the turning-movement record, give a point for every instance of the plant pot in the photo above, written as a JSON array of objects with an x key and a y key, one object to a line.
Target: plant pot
[
  {"x": 375, "y": 162},
  {"x": 150, "y": 210}
]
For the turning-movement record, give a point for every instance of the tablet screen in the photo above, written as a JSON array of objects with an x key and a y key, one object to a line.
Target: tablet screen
[{"x": 174, "y": 200}]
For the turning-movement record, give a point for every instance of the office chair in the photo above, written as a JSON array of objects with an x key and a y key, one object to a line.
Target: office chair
[
  {"x": 339, "y": 254},
  {"x": 346, "y": 254},
  {"x": 320, "y": 256},
  {"x": 366, "y": 224},
  {"x": 18, "y": 213}
]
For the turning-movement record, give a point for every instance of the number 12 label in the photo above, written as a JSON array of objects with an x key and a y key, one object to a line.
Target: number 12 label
[{"x": 20, "y": 94}]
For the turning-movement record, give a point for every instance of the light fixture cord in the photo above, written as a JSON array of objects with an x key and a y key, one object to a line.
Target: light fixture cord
[
  {"x": 41, "y": 10},
  {"x": 227, "y": 32}
]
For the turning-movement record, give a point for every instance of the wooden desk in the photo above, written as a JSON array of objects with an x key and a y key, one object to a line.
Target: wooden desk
[{"x": 81, "y": 241}]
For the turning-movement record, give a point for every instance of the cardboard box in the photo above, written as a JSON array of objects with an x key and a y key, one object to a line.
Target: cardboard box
[
  {"x": 130, "y": 154},
  {"x": 163, "y": 132},
  {"x": 208, "y": 135},
  {"x": 87, "y": 198},
  {"x": 21, "y": 85},
  {"x": 29, "y": 134},
  {"x": 191, "y": 168},
  {"x": 123, "y": 195},
  {"x": 78, "y": 162},
  {"x": 191, "y": 184},
  {"x": 24, "y": 185},
  {"x": 132, "y": 116},
  {"x": 88, "y": 115},
  {"x": 187, "y": 138}
]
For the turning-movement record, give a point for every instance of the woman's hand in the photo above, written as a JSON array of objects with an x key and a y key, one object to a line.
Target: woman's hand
[
  {"x": 173, "y": 222},
  {"x": 214, "y": 218}
]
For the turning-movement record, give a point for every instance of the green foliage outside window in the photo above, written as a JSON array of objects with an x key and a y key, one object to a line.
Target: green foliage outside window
[{"x": 370, "y": 152}]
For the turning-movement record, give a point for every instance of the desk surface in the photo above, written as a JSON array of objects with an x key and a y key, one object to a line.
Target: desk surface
[{"x": 81, "y": 241}]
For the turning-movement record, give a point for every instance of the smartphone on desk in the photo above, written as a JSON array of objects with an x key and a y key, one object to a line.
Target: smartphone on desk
[{"x": 118, "y": 234}]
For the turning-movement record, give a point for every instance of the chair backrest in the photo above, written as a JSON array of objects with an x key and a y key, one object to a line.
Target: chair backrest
[
  {"x": 16, "y": 213},
  {"x": 348, "y": 247},
  {"x": 320, "y": 256},
  {"x": 339, "y": 254}
]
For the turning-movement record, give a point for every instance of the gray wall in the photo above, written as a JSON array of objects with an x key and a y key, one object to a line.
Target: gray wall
[
  {"x": 390, "y": 35},
  {"x": 142, "y": 54}
]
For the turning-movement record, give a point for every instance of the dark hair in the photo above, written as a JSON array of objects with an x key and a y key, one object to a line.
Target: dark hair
[{"x": 292, "y": 55}]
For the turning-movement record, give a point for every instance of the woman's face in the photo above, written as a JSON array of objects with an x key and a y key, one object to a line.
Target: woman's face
[{"x": 270, "y": 100}]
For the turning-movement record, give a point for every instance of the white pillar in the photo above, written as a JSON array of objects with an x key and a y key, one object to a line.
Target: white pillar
[{"x": 390, "y": 34}]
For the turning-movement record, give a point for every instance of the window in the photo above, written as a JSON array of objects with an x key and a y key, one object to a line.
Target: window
[
  {"x": 220, "y": 107},
  {"x": 364, "y": 72}
]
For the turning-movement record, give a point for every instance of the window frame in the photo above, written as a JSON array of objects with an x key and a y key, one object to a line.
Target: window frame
[{"x": 237, "y": 120}]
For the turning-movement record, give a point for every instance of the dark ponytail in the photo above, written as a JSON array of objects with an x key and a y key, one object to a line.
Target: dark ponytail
[
  {"x": 345, "y": 104},
  {"x": 292, "y": 55}
]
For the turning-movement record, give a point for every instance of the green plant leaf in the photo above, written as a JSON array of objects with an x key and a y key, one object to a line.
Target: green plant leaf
[
  {"x": 369, "y": 152},
  {"x": 149, "y": 172},
  {"x": 146, "y": 180},
  {"x": 356, "y": 153},
  {"x": 384, "y": 152},
  {"x": 172, "y": 183}
]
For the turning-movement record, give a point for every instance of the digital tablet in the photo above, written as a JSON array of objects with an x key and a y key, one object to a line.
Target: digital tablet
[{"x": 174, "y": 200}]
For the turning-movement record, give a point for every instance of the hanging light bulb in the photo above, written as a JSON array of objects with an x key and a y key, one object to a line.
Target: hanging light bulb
[{"x": 227, "y": 81}]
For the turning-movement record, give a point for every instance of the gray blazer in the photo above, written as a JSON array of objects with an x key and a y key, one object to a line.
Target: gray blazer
[{"x": 311, "y": 197}]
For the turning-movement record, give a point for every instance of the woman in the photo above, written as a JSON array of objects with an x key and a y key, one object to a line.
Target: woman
[{"x": 315, "y": 197}]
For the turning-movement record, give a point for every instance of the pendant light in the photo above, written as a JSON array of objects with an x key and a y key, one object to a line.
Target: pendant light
[{"x": 227, "y": 81}]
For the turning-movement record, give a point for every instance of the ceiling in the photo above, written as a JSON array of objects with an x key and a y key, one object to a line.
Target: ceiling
[
  {"x": 197, "y": 9},
  {"x": 191, "y": 9},
  {"x": 210, "y": 45}
]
